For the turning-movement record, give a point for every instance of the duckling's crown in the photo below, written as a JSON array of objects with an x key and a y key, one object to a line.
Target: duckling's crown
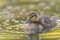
[{"x": 32, "y": 14}]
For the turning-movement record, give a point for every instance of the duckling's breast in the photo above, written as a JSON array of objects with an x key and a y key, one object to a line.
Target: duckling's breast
[{"x": 31, "y": 28}]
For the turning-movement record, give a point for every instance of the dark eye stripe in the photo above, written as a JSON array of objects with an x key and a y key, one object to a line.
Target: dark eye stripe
[{"x": 33, "y": 16}]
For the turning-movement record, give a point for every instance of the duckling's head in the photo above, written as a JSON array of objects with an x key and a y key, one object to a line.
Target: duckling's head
[{"x": 32, "y": 18}]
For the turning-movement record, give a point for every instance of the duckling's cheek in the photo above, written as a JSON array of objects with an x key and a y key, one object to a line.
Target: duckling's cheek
[{"x": 34, "y": 19}]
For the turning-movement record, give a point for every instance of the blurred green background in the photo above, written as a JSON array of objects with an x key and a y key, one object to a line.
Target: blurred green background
[{"x": 13, "y": 14}]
